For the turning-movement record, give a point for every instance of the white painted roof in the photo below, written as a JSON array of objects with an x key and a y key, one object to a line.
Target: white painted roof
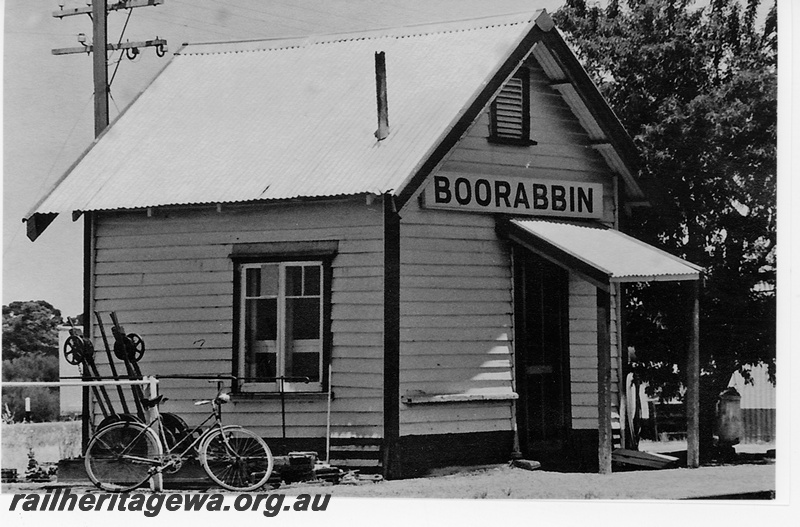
[
  {"x": 284, "y": 119},
  {"x": 621, "y": 257}
]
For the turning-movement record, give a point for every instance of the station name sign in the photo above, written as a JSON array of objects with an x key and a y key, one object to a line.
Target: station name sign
[{"x": 510, "y": 195}]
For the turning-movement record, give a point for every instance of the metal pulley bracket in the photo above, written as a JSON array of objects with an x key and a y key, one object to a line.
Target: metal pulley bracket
[
  {"x": 136, "y": 350},
  {"x": 129, "y": 347},
  {"x": 73, "y": 350},
  {"x": 77, "y": 348}
]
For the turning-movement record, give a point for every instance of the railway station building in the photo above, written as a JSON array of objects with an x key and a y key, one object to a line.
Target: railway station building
[{"x": 407, "y": 244}]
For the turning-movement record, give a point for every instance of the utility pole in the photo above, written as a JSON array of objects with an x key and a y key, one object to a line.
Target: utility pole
[
  {"x": 99, "y": 67},
  {"x": 98, "y": 12}
]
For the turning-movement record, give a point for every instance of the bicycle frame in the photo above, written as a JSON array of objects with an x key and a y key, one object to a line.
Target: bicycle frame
[{"x": 216, "y": 415}]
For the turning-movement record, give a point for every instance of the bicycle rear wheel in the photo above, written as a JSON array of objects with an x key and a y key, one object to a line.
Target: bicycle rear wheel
[
  {"x": 236, "y": 459},
  {"x": 122, "y": 456}
]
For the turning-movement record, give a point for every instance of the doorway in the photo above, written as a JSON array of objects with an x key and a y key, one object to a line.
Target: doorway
[{"x": 541, "y": 319}]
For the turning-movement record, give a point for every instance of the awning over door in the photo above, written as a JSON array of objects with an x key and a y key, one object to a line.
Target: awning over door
[{"x": 600, "y": 254}]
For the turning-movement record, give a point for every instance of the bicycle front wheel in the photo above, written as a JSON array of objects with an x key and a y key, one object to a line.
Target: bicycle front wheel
[
  {"x": 122, "y": 456},
  {"x": 236, "y": 459}
]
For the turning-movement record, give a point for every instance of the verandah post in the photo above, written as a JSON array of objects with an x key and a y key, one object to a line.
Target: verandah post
[
  {"x": 605, "y": 440},
  {"x": 693, "y": 381},
  {"x": 391, "y": 340}
]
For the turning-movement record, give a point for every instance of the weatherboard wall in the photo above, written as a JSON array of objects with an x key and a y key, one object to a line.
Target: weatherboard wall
[
  {"x": 564, "y": 151},
  {"x": 457, "y": 332},
  {"x": 170, "y": 277},
  {"x": 456, "y": 288},
  {"x": 583, "y": 354},
  {"x": 455, "y": 323}
]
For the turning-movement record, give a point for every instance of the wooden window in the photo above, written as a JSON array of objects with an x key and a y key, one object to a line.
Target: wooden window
[
  {"x": 282, "y": 325},
  {"x": 510, "y": 112}
]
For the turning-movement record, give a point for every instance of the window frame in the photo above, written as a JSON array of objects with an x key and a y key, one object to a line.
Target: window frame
[
  {"x": 245, "y": 257},
  {"x": 523, "y": 74}
]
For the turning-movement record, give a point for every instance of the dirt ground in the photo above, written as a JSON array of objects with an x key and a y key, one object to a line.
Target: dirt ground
[
  {"x": 752, "y": 474},
  {"x": 749, "y": 481},
  {"x": 48, "y": 441},
  {"x": 504, "y": 482}
]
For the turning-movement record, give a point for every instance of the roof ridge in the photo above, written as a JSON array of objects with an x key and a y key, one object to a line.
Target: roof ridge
[{"x": 396, "y": 32}]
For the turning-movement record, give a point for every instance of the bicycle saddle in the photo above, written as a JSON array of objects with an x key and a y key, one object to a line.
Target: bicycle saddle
[{"x": 150, "y": 403}]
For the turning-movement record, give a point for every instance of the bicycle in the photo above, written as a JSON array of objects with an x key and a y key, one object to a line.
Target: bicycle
[{"x": 124, "y": 455}]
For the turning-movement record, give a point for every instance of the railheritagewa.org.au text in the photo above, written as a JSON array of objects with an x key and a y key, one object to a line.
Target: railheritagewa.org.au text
[{"x": 153, "y": 504}]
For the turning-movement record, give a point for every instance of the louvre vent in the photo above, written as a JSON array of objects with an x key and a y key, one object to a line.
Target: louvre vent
[{"x": 510, "y": 112}]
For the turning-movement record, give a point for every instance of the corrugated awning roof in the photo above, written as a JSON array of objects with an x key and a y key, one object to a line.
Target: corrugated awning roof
[{"x": 600, "y": 254}]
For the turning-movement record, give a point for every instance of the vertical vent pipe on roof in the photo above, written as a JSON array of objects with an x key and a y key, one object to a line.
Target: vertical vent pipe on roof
[{"x": 383, "y": 105}]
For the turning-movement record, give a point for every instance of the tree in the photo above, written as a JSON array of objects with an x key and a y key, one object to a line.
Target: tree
[
  {"x": 30, "y": 353},
  {"x": 30, "y": 327},
  {"x": 697, "y": 89},
  {"x": 33, "y": 367},
  {"x": 45, "y": 404}
]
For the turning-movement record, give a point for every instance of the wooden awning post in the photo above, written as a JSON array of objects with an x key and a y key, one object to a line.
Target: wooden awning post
[
  {"x": 605, "y": 440},
  {"x": 693, "y": 381}
]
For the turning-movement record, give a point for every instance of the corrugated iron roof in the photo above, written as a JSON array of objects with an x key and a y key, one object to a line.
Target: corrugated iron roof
[
  {"x": 620, "y": 257},
  {"x": 285, "y": 119}
]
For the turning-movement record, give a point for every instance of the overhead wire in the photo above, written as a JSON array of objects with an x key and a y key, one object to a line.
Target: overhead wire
[
  {"x": 121, "y": 35},
  {"x": 48, "y": 178},
  {"x": 115, "y": 103}
]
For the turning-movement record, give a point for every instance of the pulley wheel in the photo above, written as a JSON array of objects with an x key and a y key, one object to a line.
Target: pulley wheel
[
  {"x": 120, "y": 350},
  {"x": 88, "y": 348},
  {"x": 73, "y": 350},
  {"x": 136, "y": 347}
]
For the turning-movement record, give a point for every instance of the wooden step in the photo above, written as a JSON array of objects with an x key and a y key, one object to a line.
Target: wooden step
[
  {"x": 363, "y": 455},
  {"x": 642, "y": 459}
]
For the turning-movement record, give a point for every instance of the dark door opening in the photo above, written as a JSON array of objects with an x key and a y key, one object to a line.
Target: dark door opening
[{"x": 541, "y": 318}]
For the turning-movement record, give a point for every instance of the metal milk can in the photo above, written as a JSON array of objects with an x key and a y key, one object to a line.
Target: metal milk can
[{"x": 729, "y": 417}]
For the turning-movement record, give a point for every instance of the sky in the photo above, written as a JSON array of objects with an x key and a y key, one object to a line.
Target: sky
[
  {"x": 48, "y": 112},
  {"x": 47, "y": 99}
]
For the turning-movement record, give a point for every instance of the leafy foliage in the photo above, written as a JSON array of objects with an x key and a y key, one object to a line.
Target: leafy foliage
[
  {"x": 32, "y": 367},
  {"x": 37, "y": 471},
  {"x": 29, "y": 328},
  {"x": 697, "y": 89},
  {"x": 45, "y": 404},
  {"x": 30, "y": 353}
]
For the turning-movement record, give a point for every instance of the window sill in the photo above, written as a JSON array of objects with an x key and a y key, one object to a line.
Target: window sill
[{"x": 425, "y": 398}]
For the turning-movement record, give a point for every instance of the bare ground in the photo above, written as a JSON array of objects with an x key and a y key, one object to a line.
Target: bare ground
[
  {"x": 504, "y": 482},
  {"x": 48, "y": 441},
  {"x": 750, "y": 474}
]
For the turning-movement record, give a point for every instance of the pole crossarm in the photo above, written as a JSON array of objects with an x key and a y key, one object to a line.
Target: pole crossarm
[
  {"x": 122, "y": 4},
  {"x": 113, "y": 47}
]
